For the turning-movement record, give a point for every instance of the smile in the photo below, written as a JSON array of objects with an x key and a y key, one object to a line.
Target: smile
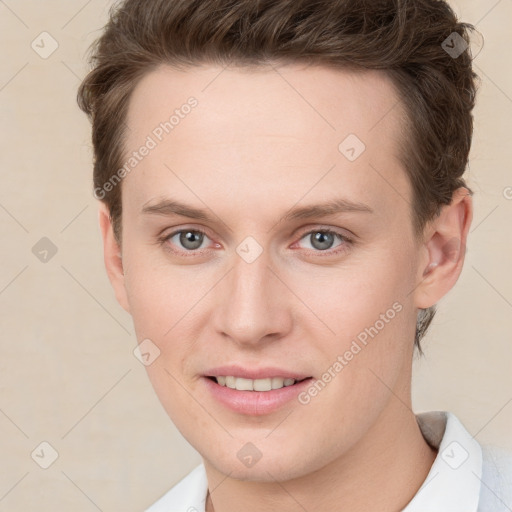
[
  {"x": 243, "y": 384},
  {"x": 255, "y": 397}
]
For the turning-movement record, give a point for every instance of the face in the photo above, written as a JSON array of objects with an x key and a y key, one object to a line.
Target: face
[{"x": 262, "y": 240}]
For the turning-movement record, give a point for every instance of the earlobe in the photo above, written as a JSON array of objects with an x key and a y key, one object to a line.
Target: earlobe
[
  {"x": 112, "y": 256},
  {"x": 446, "y": 248}
]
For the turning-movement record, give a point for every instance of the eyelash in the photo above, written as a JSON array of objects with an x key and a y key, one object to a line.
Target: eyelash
[{"x": 347, "y": 242}]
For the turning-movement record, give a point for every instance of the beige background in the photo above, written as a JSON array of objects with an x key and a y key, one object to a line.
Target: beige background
[{"x": 67, "y": 371}]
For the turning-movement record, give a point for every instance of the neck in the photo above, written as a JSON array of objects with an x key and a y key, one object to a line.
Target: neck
[{"x": 382, "y": 472}]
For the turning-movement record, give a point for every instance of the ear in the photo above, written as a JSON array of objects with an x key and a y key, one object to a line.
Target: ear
[
  {"x": 112, "y": 257},
  {"x": 445, "y": 249}
]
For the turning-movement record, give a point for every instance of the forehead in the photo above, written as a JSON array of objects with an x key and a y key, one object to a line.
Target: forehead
[
  {"x": 268, "y": 131},
  {"x": 293, "y": 99}
]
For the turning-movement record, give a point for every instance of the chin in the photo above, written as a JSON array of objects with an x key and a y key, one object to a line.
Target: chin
[{"x": 274, "y": 465}]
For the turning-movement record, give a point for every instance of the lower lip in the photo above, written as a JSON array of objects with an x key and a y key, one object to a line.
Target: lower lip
[{"x": 255, "y": 403}]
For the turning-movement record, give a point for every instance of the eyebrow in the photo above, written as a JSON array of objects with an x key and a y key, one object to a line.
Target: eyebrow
[{"x": 168, "y": 207}]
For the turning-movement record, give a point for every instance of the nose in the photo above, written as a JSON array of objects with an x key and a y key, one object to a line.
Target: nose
[{"x": 253, "y": 306}]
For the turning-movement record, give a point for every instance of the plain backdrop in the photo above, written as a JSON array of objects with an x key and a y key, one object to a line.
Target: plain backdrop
[{"x": 68, "y": 376}]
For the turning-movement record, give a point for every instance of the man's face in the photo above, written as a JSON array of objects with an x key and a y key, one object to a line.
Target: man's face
[{"x": 263, "y": 288}]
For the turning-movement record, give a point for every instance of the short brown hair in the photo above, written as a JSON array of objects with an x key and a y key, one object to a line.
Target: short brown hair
[{"x": 404, "y": 38}]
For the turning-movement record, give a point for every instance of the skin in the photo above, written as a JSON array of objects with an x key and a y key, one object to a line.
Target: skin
[{"x": 252, "y": 149}]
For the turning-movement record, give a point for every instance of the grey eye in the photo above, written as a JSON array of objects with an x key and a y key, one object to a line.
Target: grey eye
[
  {"x": 321, "y": 240},
  {"x": 190, "y": 239}
]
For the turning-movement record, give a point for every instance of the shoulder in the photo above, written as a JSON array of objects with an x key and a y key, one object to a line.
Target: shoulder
[
  {"x": 188, "y": 495},
  {"x": 496, "y": 488}
]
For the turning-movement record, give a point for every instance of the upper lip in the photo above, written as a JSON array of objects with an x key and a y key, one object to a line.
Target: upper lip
[{"x": 254, "y": 373}]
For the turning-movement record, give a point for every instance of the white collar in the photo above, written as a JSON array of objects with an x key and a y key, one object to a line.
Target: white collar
[{"x": 453, "y": 482}]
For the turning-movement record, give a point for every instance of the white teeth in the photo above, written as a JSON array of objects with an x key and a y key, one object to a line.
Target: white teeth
[
  {"x": 242, "y": 384},
  {"x": 262, "y": 385},
  {"x": 277, "y": 382}
]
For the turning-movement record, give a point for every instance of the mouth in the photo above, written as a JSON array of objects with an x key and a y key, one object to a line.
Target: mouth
[
  {"x": 255, "y": 397},
  {"x": 263, "y": 385}
]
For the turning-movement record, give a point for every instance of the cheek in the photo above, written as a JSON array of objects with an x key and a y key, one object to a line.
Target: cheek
[
  {"x": 182, "y": 406},
  {"x": 164, "y": 304},
  {"x": 349, "y": 300},
  {"x": 367, "y": 324},
  {"x": 156, "y": 294}
]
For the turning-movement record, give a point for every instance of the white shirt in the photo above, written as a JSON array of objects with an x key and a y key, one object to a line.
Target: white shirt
[{"x": 463, "y": 478}]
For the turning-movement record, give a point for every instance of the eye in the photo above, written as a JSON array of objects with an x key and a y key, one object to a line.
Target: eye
[
  {"x": 190, "y": 241},
  {"x": 322, "y": 240},
  {"x": 187, "y": 240}
]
